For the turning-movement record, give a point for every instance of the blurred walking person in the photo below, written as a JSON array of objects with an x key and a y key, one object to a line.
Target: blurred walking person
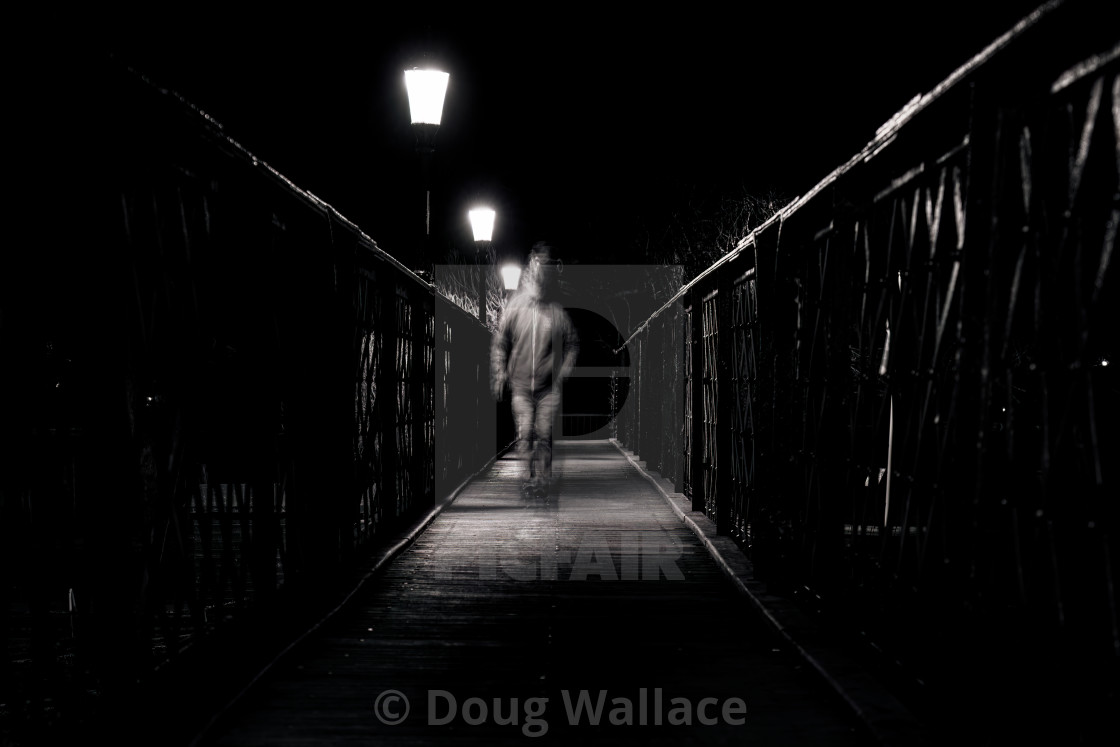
[{"x": 533, "y": 351}]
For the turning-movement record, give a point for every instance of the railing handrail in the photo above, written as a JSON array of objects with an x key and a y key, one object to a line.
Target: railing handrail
[
  {"x": 725, "y": 259},
  {"x": 217, "y": 131},
  {"x": 883, "y": 136}
]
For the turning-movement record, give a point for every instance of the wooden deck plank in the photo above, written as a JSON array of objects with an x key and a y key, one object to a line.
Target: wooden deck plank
[{"x": 601, "y": 588}]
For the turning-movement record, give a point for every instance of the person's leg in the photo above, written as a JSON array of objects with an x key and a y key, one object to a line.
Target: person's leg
[
  {"x": 522, "y": 405},
  {"x": 547, "y": 406}
]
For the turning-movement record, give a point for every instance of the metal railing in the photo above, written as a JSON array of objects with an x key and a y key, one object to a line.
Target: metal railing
[
  {"x": 897, "y": 393},
  {"x": 218, "y": 396}
]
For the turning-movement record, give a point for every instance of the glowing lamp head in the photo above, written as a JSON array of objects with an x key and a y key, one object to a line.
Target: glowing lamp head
[
  {"x": 426, "y": 91},
  {"x": 511, "y": 274},
  {"x": 482, "y": 223}
]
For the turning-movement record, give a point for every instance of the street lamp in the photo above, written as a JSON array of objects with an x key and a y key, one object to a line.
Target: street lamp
[
  {"x": 426, "y": 91},
  {"x": 482, "y": 224}
]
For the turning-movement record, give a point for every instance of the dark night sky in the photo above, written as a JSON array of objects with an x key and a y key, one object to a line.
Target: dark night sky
[{"x": 572, "y": 124}]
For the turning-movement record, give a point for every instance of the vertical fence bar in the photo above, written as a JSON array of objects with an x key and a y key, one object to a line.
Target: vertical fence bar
[
  {"x": 725, "y": 399},
  {"x": 387, "y": 411},
  {"x": 696, "y": 404}
]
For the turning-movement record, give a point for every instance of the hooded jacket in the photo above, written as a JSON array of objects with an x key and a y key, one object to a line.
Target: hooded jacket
[{"x": 535, "y": 346}]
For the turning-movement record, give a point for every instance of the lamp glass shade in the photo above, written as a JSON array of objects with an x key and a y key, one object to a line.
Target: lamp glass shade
[
  {"x": 482, "y": 223},
  {"x": 511, "y": 274},
  {"x": 426, "y": 90}
]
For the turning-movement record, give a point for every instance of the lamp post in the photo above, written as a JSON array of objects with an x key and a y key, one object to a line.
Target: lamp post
[
  {"x": 426, "y": 91},
  {"x": 482, "y": 224}
]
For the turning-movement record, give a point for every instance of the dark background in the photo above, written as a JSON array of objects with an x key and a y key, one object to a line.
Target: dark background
[{"x": 576, "y": 123}]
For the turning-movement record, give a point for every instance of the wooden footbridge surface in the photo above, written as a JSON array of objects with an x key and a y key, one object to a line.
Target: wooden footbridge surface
[{"x": 595, "y": 616}]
